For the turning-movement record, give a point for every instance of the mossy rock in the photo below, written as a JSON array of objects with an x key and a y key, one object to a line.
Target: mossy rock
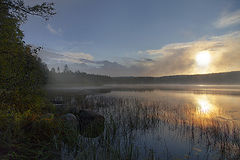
[{"x": 91, "y": 124}]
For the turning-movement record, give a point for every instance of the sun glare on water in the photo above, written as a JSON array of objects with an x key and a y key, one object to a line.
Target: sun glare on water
[
  {"x": 203, "y": 58},
  {"x": 205, "y": 108}
]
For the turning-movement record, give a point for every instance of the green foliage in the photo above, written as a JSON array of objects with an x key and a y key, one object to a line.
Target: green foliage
[
  {"x": 31, "y": 136},
  {"x": 24, "y": 132},
  {"x": 20, "y": 11},
  {"x": 19, "y": 67},
  {"x": 20, "y": 101}
]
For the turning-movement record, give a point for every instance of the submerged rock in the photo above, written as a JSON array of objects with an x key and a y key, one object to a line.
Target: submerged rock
[
  {"x": 91, "y": 124},
  {"x": 70, "y": 119}
]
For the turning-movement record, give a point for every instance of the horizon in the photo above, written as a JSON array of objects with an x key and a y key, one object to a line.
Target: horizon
[
  {"x": 140, "y": 38},
  {"x": 50, "y": 70}
]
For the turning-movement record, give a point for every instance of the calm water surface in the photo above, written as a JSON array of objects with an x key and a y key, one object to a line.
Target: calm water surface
[{"x": 171, "y": 122}]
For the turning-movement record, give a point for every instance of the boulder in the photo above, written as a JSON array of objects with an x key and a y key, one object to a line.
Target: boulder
[
  {"x": 70, "y": 119},
  {"x": 47, "y": 116},
  {"x": 91, "y": 124}
]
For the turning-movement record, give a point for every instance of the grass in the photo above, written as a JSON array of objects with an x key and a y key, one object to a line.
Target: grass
[
  {"x": 33, "y": 135},
  {"x": 26, "y": 132},
  {"x": 29, "y": 136},
  {"x": 127, "y": 117}
]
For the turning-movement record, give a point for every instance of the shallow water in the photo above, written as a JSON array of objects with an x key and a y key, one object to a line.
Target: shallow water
[
  {"x": 217, "y": 106},
  {"x": 171, "y": 121}
]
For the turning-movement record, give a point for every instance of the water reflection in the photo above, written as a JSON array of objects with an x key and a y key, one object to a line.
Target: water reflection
[
  {"x": 166, "y": 121},
  {"x": 205, "y": 108}
]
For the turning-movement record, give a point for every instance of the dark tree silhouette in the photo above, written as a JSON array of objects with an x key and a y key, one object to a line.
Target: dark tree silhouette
[
  {"x": 53, "y": 70},
  {"x": 66, "y": 69},
  {"x": 20, "y": 11},
  {"x": 58, "y": 69},
  {"x": 19, "y": 66}
]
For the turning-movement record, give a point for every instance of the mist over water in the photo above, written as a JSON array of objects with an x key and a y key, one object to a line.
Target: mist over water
[
  {"x": 217, "y": 102},
  {"x": 168, "y": 121}
]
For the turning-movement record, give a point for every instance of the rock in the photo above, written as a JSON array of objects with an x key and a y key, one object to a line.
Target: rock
[
  {"x": 47, "y": 116},
  {"x": 73, "y": 109},
  {"x": 67, "y": 109},
  {"x": 70, "y": 119},
  {"x": 91, "y": 124}
]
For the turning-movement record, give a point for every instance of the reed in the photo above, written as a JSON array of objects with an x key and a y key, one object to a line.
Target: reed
[{"x": 129, "y": 119}]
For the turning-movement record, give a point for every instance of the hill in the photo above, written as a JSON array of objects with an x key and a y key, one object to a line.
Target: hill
[{"x": 213, "y": 78}]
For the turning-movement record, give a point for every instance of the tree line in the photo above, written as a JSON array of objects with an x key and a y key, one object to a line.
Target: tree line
[
  {"x": 28, "y": 121},
  {"x": 78, "y": 78},
  {"x": 82, "y": 78}
]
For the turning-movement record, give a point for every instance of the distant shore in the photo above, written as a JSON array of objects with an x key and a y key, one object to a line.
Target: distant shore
[{"x": 198, "y": 89}]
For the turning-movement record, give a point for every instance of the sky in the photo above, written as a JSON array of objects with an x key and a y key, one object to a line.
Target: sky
[{"x": 139, "y": 37}]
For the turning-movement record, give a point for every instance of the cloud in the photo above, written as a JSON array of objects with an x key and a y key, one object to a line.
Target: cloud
[
  {"x": 78, "y": 55},
  {"x": 228, "y": 19},
  {"x": 54, "y": 31},
  {"x": 51, "y": 57},
  {"x": 84, "y": 63},
  {"x": 179, "y": 58},
  {"x": 171, "y": 59}
]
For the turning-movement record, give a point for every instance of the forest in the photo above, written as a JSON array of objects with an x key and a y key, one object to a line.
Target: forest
[
  {"x": 85, "y": 79},
  {"x": 29, "y": 125}
]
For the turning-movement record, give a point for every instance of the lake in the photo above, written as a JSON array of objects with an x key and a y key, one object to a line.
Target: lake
[{"x": 160, "y": 121}]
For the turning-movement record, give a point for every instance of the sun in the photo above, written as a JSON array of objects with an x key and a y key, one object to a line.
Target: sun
[{"x": 203, "y": 58}]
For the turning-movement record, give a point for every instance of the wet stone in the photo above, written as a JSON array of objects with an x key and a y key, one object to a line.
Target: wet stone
[
  {"x": 70, "y": 119},
  {"x": 91, "y": 124}
]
